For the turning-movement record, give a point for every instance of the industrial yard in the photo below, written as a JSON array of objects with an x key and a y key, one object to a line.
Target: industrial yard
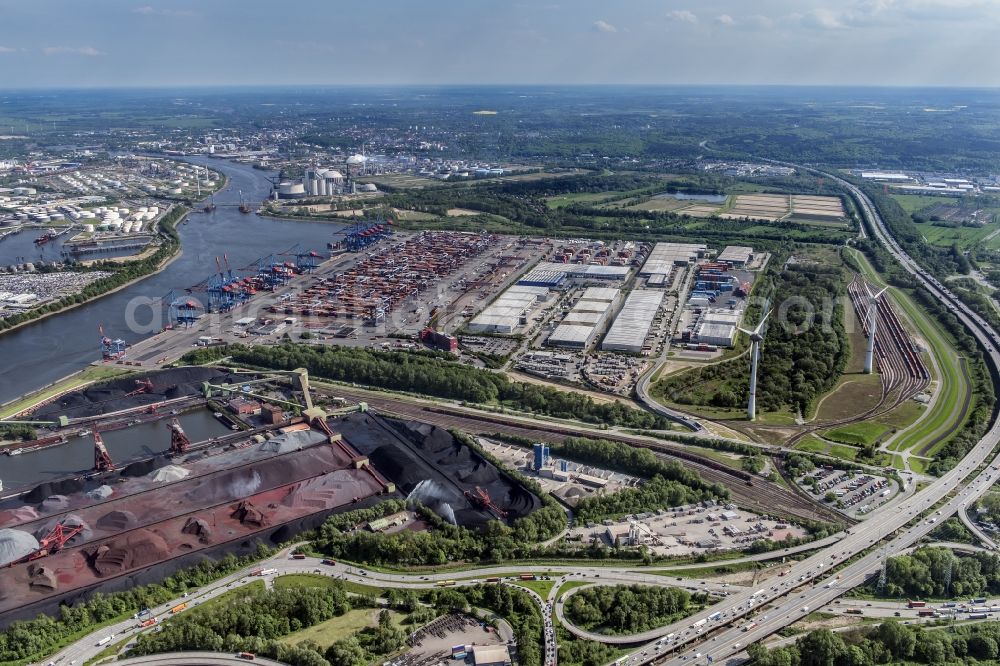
[
  {"x": 688, "y": 530},
  {"x": 285, "y": 465}
]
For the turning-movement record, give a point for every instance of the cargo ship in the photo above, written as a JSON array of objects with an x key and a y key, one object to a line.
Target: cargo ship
[{"x": 50, "y": 234}]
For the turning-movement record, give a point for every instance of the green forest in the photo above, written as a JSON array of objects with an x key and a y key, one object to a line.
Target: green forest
[
  {"x": 939, "y": 573},
  {"x": 254, "y": 620},
  {"x": 805, "y": 349},
  {"x": 630, "y": 609},
  {"x": 431, "y": 374},
  {"x": 888, "y": 643}
]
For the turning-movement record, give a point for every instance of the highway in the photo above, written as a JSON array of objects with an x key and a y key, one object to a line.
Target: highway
[
  {"x": 87, "y": 647},
  {"x": 746, "y": 615},
  {"x": 809, "y": 586}
]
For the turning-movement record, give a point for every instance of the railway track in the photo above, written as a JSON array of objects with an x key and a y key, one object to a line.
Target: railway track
[
  {"x": 902, "y": 372},
  {"x": 763, "y": 496}
]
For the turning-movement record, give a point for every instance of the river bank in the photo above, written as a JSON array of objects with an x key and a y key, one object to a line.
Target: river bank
[
  {"x": 37, "y": 316},
  {"x": 65, "y": 342}
]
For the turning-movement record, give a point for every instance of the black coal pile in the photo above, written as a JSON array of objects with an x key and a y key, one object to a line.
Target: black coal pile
[
  {"x": 430, "y": 466},
  {"x": 110, "y": 396}
]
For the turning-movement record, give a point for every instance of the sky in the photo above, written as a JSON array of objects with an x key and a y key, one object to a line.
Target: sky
[{"x": 152, "y": 43}]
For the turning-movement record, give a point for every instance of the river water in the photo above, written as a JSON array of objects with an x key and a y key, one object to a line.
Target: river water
[
  {"x": 77, "y": 455},
  {"x": 48, "y": 350}
]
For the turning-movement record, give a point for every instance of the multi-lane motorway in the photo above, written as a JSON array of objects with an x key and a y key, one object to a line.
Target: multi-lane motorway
[
  {"x": 810, "y": 584},
  {"x": 745, "y": 615}
]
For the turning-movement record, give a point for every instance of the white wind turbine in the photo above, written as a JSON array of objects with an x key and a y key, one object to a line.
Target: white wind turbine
[
  {"x": 755, "y": 340},
  {"x": 872, "y": 320}
]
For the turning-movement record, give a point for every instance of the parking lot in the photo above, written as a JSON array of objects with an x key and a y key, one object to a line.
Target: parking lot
[
  {"x": 689, "y": 530},
  {"x": 853, "y": 493}
]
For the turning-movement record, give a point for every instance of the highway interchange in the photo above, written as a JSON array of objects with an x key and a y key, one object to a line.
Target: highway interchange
[{"x": 745, "y": 615}]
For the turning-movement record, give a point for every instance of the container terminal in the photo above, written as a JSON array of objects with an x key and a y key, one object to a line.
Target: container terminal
[{"x": 290, "y": 464}]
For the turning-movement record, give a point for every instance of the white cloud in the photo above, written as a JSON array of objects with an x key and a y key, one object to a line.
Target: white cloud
[
  {"x": 759, "y": 21},
  {"x": 89, "y": 51},
  {"x": 148, "y": 10},
  {"x": 725, "y": 19},
  {"x": 825, "y": 19},
  {"x": 6, "y": 49},
  {"x": 682, "y": 16},
  {"x": 604, "y": 26}
]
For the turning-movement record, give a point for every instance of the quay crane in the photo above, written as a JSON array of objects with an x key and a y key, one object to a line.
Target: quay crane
[
  {"x": 102, "y": 459},
  {"x": 179, "y": 442}
]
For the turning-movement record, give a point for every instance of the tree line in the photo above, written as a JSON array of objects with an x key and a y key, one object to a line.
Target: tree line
[
  {"x": 630, "y": 609},
  {"x": 930, "y": 572},
  {"x": 430, "y": 374},
  {"x": 888, "y": 643}
]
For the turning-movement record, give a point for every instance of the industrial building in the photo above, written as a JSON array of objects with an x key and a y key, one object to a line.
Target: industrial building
[
  {"x": 509, "y": 310},
  {"x": 584, "y": 321},
  {"x": 553, "y": 275},
  {"x": 665, "y": 256},
  {"x": 717, "y": 335},
  {"x": 736, "y": 255},
  {"x": 628, "y": 333}
]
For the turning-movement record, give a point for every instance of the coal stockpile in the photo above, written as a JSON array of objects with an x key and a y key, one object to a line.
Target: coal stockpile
[
  {"x": 428, "y": 464},
  {"x": 110, "y": 396}
]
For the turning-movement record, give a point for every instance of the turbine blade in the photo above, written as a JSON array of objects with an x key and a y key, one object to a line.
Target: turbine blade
[{"x": 875, "y": 297}]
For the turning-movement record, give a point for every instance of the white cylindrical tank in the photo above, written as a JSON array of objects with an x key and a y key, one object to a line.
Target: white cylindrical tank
[{"x": 89, "y": 228}]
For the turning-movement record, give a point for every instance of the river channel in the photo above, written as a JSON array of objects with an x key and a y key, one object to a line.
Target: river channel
[{"x": 45, "y": 351}]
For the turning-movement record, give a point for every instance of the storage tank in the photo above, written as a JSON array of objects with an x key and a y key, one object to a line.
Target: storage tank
[{"x": 89, "y": 228}]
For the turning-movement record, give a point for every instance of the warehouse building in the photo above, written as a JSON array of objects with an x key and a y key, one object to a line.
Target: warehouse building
[
  {"x": 736, "y": 255},
  {"x": 586, "y": 319},
  {"x": 572, "y": 336},
  {"x": 545, "y": 274},
  {"x": 628, "y": 333},
  {"x": 664, "y": 256},
  {"x": 719, "y": 335},
  {"x": 554, "y": 275},
  {"x": 509, "y": 310},
  {"x": 716, "y": 316}
]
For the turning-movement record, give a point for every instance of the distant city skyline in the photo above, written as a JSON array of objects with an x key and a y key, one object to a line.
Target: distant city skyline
[{"x": 151, "y": 43}]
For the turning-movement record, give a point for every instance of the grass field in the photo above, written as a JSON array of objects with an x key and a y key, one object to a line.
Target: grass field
[
  {"x": 327, "y": 633},
  {"x": 563, "y": 200},
  {"x": 541, "y": 587},
  {"x": 863, "y": 432},
  {"x": 911, "y": 203},
  {"x": 811, "y": 444},
  {"x": 952, "y": 386}
]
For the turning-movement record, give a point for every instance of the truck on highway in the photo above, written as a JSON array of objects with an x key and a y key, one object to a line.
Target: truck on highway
[
  {"x": 298, "y": 556},
  {"x": 105, "y": 640},
  {"x": 749, "y": 627},
  {"x": 329, "y": 562},
  {"x": 915, "y": 604},
  {"x": 715, "y": 616},
  {"x": 146, "y": 623},
  {"x": 249, "y": 656},
  {"x": 928, "y": 612},
  {"x": 978, "y": 616},
  {"x": 526, "y": 576},
  {"x": 700, "y": 623},
  {"x": 805, "y": 609},
  {"x": 854, "y": 611},
  {"x": 266, "y": 572},
  {"x": 178, "y": 608},
  {"x": 493, "y": 579},
  {"x": 756, "y": 594}
]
